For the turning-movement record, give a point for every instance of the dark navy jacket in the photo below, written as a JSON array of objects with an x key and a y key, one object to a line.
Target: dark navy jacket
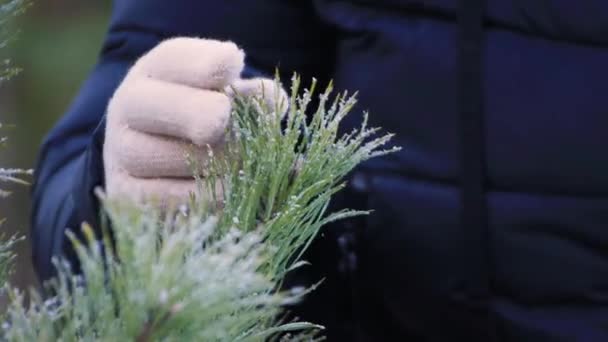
[{"x": 530, "y": 265}]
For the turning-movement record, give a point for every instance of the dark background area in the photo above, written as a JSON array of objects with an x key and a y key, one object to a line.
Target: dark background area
[{"x": 56, "y": 46}]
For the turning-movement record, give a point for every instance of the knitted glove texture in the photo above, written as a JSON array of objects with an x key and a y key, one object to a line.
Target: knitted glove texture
[{"x": 175, "y": 100}]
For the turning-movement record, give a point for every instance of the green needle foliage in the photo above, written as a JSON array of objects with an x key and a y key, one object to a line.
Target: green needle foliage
[
  {"x": 281, "y": 172},
  {"x": 7, "y": 256},
  {"x": 211, "y": 271},
  {"x": 8, "y": 10},
  {"x": 170, "y": 279}
]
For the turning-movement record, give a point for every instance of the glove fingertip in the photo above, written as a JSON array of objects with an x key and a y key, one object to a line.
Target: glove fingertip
[{"x": 195, "y": 62}]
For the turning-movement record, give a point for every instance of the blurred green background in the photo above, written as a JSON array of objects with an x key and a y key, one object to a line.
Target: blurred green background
[{"x": 57, "y": 45}]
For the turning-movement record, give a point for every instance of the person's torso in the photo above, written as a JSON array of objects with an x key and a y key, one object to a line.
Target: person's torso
[{"x": 546, "y": 118}]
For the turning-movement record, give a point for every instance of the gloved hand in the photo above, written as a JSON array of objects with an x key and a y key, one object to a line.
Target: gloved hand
[{"x": 174, "y": 100}]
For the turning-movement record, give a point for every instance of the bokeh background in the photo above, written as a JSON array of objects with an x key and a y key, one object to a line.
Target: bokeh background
[{"x": 56, "y": 46}]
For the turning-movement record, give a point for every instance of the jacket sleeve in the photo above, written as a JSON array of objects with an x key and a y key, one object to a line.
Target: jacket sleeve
[{"x": 70, "y": 164}]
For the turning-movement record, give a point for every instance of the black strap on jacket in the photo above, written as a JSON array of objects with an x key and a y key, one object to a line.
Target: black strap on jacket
[{"x": 474, "y": 220}]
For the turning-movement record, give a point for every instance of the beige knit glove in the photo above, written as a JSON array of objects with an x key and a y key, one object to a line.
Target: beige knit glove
[{"x": 173, "y": 101}]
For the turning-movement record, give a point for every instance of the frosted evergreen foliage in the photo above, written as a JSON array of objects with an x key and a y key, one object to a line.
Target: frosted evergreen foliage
[
  {"x": 8, "y": 10},
  {"x": 281, "y": 172},
  {"x": 212, "y": 270}
]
